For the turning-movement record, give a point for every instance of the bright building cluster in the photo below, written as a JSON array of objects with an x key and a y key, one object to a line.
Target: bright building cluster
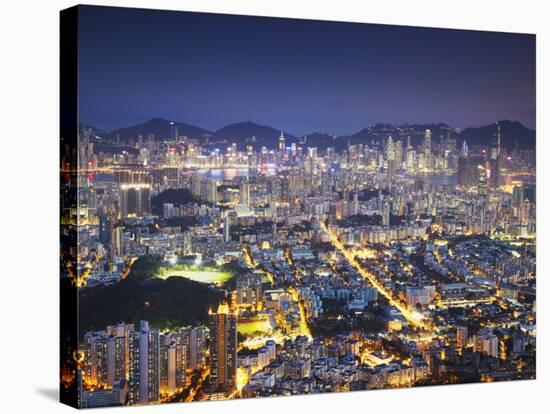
[{"x": 405, "y": 259}]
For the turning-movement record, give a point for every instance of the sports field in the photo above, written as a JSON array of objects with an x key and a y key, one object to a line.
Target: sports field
[
  {"x": 199, "y": 275},
  {"x": 251, "y": 327}
]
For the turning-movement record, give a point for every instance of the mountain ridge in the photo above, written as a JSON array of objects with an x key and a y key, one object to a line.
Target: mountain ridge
[
  {"x": 513, "y": 134},
  {"x": 159, "y": 127},
  {"x": 247, "y": 132}
]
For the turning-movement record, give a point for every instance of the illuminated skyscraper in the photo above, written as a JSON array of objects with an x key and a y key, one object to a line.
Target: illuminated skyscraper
[
  {"x": 390, "y": 155},
  {"x": 464, "y": 150},
  {"x": 95, "y": 350},
  {"x": 117, "y": 241},
  {"x": 274, "y": 234},
  {"x": 386, "y": 214},
  {"x": 496, "y": 160},
  {"x": 105, "y": 355},
  {"x": 226, "y": 229},
  {"x": 135, "y": 200},
  {"x": 172, "y": 363},
  {"x": 212, "y": 191},
  {"x": 105, "y": 228},
  {"x": 223, "y": 348},
  {"x": 398, "y": 145},
  {"x": 390, "y": 149},
  {"x": 249, "y": 289},
  {"x": 144, "y": 379},
  {"x": 244, "y": 193},
  {"x": 427, "y": 148},
  {"x": 282, "y": 142},
  {"x": 464, "y": 170},
  {"x": 486, "y": 342},
  {"x": 409, "y": 161},
  {"x": 194, "y": 340},
  {"x": 118, "y": 352},
  {"x": 134, "y": 194},
  {"x": 461, "y": 337},
  {"x": 355, "y": 204},
  {"x": 481, "y": 180}
]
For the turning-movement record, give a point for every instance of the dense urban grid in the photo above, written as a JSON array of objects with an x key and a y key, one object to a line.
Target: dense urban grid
[{"x": 402, "y": 260}]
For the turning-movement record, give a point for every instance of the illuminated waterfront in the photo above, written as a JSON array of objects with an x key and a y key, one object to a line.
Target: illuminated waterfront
[{"x": 243, "y": 259}]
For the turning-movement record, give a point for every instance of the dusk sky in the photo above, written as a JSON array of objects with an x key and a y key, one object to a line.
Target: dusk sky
[{"x": 298, "y": 75}]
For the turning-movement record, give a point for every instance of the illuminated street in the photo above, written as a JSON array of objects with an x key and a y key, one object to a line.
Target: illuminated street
[{"x": 240, "y": 220}]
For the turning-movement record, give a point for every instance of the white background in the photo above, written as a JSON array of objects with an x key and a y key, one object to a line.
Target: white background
[{"x": 29, "y": 198}]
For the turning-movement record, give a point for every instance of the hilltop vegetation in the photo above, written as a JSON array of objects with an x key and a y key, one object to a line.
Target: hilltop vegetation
[{"x": 172, "y": 302}]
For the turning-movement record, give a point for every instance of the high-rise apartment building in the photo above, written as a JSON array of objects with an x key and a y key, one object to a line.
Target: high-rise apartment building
[
  {"x": 134, "y": 194},
  {"x": 461, "y": 337},
  {"x": 223, "y": 348},
  {"x": 486, "y": 342},
  {"x": 144, "y": 378},
  {"x": 172, "y": 364}
]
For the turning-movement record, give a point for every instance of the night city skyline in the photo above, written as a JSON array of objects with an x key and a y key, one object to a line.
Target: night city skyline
[
  {"x": 204, "y": 257},
  {"x": 298, "y": 75}
]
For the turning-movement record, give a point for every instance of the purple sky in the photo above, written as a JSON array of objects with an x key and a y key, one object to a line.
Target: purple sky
[{"x": 302, "y": 76}]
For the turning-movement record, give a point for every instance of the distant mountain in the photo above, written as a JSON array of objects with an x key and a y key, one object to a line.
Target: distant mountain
[
  {"x": 101, "y": 144},
  {"x": 244, "y": 133},
  {"x": 83, "y": 126},
  {"x": 513, "y": 134},
  {"x": 380, "y": 133},
  {"x": 162, "y": 129},
  {"x": 319, "y": 140},
  {"x": 377, "y": 132}
]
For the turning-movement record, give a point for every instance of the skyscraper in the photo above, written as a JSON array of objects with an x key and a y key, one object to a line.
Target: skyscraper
[
  {"x": 134, "y": 194},
  {"x": 486, "y": 342},
  {"x": 390, "y": 155},
  {"x": 244, "y": 193},
  {"x": 481, "y": 180},
  {"x": 409, "y": 161},
  {"x": 274, "y": 234},
  {"x": 223, "y": 348},
  {"x": 194, "y": 340},
  {"x": 118, "y": 352},
  {"x": 427, "y": 149},
  {"x": 282, "y": 142},
  {"x": 464, "y": 176},
  {"x": 386, "y": 214},
  {"x": 355, "y": 204},
  {"x": 249, "y": 289},
  {"x": 461, "y": 337},
  {"x": 212, "y": 191},
  {"x": 105, "y": 355},
  {"x": 172, "y": 363},
  {"x": 95, "y": 366},
  {"x": 496, "y": 161},
  {"x": 226, "y": 229},
  {"x": 105, "y": 224},
  {"x": 117, "y": 241},
  {"x": 144, "y": 379}
]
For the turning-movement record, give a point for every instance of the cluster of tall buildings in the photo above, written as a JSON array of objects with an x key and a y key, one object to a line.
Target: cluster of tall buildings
[
  {"x": 141, "y": 364},
  {"x": 481, "y": 169},
  {"x": 374, "y": 236},
  {"x": 486, "y": 342},
  {"x": 134, "y": 194},
  {"x": 223, "y": 350},
  {"x": 122, "y": 364}
]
